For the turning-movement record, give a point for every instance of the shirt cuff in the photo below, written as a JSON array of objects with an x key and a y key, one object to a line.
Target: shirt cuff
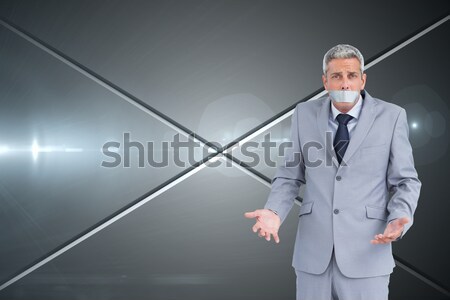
[{"x": 274, "y": 211}]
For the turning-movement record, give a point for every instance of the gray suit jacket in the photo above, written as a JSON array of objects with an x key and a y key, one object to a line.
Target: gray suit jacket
[{"x": 345, "y": 205}]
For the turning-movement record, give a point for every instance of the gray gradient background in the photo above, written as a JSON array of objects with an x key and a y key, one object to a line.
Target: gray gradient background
[{"x": 220, "y": 69}]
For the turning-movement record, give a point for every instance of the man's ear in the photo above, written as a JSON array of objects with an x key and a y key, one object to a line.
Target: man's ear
[
  {"x": 324, "y": 81},
  {"x": 363, "y": 79}
]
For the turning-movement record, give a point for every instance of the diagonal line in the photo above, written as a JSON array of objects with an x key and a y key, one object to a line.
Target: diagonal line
[
  {"x": 143, "y": 106},
  {"x": 150, "y": 195},
  {"x": 286, "y": 113},
  {"x": 249, "y": 170},
  {"x": 422, "y": 276},
  {"x": 102, "y": 224},
  {"x": 140, "y": 105},
  {"x": 258, "y": 176},
  {"x": 408, "y": 40},
  {"x": 321, "y": 91}
]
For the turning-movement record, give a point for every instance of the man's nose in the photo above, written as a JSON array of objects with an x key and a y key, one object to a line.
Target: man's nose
[{"x": 345, "y": 85}]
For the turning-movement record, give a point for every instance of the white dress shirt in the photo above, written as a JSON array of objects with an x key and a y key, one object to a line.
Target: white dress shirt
[{"x": 354, "y": 112}]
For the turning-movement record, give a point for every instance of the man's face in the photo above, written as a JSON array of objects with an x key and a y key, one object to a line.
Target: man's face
[{"x": 344, "y": 74}]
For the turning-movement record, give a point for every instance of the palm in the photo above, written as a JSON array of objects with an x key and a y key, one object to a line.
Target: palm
[
  {"x": 392, "y": 232},
  {"x": 393, "y": 228},
  {"x": 267, "y": 223}
]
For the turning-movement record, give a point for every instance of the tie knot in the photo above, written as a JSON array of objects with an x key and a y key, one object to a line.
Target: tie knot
[{"x": 343, "y": 118}]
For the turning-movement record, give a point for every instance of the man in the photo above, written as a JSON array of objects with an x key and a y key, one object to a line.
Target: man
[{"x": 352, "y": 153}]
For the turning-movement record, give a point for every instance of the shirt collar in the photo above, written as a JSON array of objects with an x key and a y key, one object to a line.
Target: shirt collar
[{"x": 354, "y": 112}]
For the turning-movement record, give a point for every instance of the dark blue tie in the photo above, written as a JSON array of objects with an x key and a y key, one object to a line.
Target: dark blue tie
[{"x": 342, "y": 138}]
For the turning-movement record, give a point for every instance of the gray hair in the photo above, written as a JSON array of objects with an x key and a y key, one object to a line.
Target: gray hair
[{"x": 342, "y": 51}]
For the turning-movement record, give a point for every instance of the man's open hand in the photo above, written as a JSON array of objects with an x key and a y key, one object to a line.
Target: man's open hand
[
  {"x": 267, "y": 222},
  {"x": 393, "y": 230}
]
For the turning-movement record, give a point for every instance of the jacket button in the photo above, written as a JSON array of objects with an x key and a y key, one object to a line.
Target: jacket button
[
  {"x": 338, "y": 178},
  {"x": 336, "y": 211}
]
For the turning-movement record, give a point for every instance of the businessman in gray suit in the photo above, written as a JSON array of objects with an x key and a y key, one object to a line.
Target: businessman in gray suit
[{"x": 352, "y": 153}]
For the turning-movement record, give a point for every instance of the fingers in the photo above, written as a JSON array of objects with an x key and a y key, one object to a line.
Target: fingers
[
  {"x": 256, "y": 227},
  {"x": 251, "y": 214},
  {"x": 393, "y": 235},
  {"x": 276, "y": 238},
  {"x": 375, "y": 242},
  {"x": 383, "y": 239},
  {"x": 265, "y": 234}
]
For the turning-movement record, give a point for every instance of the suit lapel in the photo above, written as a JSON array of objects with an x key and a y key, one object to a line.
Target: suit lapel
[
  {"x": 365, "y": 121},
  {"x": 322, "y": 121}
]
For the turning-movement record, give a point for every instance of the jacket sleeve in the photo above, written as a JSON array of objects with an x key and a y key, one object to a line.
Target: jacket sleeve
[
  {"x": 402, "y": 180},
  {"x": 289, "y": 176}
]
